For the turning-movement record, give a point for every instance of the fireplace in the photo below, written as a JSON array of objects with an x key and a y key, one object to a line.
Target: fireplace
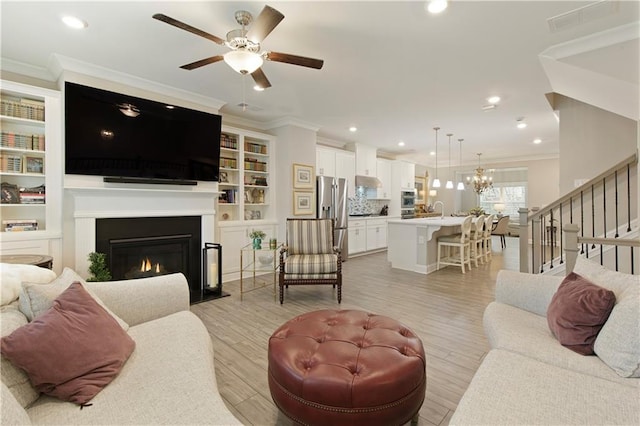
[{"x": 139, "y": 247}]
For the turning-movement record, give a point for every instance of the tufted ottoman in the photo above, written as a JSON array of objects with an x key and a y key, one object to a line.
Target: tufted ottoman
[{"x": 346, "y": 367}]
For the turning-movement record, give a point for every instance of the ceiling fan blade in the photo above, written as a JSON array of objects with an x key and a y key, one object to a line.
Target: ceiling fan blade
[
  {"x": 261, "y": 79},
  {"x": 202, "y": 62},
  {"x": 186, "y": 27},
  {"x": 268, "y": 19},
  {"x": 294, "y": 60}
]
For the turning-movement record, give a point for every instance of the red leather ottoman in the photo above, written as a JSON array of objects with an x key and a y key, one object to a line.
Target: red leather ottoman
[{"x": 346, "y": 367}]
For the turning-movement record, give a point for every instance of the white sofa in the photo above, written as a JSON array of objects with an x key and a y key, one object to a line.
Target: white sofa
[
  {"x": 168, "y": 379},
  {"x": 529, "y": 378}
]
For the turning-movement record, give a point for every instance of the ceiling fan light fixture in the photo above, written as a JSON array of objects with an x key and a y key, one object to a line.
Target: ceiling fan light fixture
[
  {"x": 258, "y": 88},
  {"x": 437, "y": 6},
  {"x": 242, "y": 61},
  {"x": 129, "y": 110}
]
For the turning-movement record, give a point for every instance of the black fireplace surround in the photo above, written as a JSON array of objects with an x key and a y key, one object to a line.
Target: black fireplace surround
[{"x": 148, "y": 246}]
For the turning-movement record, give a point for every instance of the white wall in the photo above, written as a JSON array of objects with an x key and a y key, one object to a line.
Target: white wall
[
  {"x": 591, "y": 140},
  {"x": 295, "y": 145}
]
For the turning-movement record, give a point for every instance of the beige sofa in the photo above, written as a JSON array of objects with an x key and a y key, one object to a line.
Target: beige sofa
[
  {"x": 529, "y": 378},
  {"x": 168, "y": 379}
]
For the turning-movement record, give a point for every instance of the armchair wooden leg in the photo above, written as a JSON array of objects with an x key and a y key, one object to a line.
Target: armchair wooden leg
[{"x": 281, "y": 293}]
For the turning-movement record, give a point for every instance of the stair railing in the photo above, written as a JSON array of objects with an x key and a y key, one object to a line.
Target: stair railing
[{"x": 605, "y": 206}]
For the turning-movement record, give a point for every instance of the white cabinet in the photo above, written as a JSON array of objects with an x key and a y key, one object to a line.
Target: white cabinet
[
  {"x": 30, "y": 167},
  {"x": 407, "y": 174},
  {"x": 325, "y": 162},
  {"x": 233, "y": 238},
  {"x": 346, "y": 168},
  {"x": 383, "y": 168},
  {"x": 365, "y": 160},
  {"x": 376, "y": 234},
  {"x": 357, "y": 236},
  {"x": 247, "y": 175}
]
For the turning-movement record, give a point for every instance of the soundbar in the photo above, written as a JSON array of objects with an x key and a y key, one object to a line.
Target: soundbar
[{"x": 154, "y": 181}]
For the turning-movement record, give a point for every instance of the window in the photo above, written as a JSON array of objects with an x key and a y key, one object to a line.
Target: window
[{"x": 513, "y": 195}]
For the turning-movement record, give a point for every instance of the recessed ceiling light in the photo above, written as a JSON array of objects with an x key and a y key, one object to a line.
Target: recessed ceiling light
[
  {"x": 493, "y": 99},
  {"x": 353, "y": 129},
  {"x": 73, "y": 22},
  {"x": 432, "y": 153},
  {"x": 489, "y": 107},
  {"x": 401, "y": 143},
  {"x": 169, "y": 107},
  {"x": 537, "y": 141},
  {"x": 258, "y": 88},
  {"x": 437, "y": 6}
]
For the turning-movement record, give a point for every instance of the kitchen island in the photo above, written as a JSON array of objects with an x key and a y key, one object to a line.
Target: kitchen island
[{"x": 413, "y": 243}]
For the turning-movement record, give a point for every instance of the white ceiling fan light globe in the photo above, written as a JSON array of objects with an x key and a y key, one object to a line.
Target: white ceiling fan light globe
[
  {"x": 242, "y": 61},
  {"x": 437, "y": 6}
]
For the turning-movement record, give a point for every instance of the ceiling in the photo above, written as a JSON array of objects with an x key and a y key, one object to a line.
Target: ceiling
[{"x": 391, "y": 69}]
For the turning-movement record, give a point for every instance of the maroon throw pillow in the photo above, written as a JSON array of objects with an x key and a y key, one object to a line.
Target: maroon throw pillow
[
  {"x": 73, "y": 350},
  {"x": 578, "y": 311}
]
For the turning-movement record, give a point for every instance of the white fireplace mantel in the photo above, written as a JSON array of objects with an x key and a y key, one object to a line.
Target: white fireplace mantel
[{"x": 88, "y": 203}]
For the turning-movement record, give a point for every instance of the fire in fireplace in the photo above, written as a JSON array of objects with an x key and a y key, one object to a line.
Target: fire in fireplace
[{"x": 150, "y": 246}]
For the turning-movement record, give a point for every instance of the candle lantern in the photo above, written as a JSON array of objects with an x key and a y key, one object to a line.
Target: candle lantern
[{"x": 212, "y": 271}]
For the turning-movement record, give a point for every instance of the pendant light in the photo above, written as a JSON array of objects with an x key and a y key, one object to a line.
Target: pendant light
[
  {"x": 436, "y": 181},
  {"x": 460, "y": 183},
  {"x": 449, "y": 184}
]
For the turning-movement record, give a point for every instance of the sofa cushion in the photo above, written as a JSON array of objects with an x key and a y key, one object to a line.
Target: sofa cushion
[
  {"x": 513, "y": 389},
  {"x": 71, "y": 351},
  {"x": 528, "y": 334},
  {"x": 13, "y": 377},
  {"x": 35, "y": 299},
  {"x": 161, "y": 383},
  {"x": 11, "y": 413},
  {"x": 578, "y": 311},
  {"x": 12, "y": 276},
  {"x": 618, "y": 343}
]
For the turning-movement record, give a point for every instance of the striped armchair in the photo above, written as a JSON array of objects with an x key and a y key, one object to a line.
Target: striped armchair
[{"x": 309, "y": 256}]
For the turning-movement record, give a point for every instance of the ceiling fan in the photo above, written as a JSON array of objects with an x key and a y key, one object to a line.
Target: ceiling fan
[{"x": 245, "y": 56}]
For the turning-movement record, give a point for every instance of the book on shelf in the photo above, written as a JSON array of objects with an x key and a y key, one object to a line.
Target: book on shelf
[
  {"x": 34, "y": 142},
  {"x": 16, "y": 225},
  {"x": 10, "y": 163}
]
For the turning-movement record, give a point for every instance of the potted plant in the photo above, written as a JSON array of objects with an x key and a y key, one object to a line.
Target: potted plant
[
  {"x": 98, "y": 267},
  {"x": 257, "y": 236}
]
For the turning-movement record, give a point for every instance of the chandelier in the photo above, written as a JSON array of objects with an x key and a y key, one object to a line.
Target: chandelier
[{"x": 480, "y": 181}]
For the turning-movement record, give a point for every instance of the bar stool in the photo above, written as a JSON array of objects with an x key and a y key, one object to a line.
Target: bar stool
[
  {"x": 477, "y": 238},
  {"x": 460, "y": 241},
  {"x": 486, "y": 240}
]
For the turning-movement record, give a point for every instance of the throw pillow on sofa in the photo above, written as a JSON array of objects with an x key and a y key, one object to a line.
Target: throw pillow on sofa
[
  {"x": 73, "y": 350},
  {"x": 13, "y": 275},
  {"x": 618, "y": 343},
  {"x": 577, "y": 312},
  {"x": 36, "y": 299}
]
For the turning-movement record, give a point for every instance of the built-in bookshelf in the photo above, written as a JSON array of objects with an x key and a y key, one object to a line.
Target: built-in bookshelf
[
  {"x": 245, "y": 176},
  {"x": 30, "y": 162}
]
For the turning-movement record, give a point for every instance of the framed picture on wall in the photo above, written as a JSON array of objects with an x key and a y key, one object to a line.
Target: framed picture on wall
[
  {"x": 303, "y": 203},
  {"x": 303, "y": 176}
]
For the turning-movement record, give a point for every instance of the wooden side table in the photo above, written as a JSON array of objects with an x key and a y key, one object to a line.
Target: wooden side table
[{"x": 43, "y": 261}]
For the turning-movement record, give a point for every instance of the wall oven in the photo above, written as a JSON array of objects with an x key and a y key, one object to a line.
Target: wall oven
[{"x": 407, "y": 203}]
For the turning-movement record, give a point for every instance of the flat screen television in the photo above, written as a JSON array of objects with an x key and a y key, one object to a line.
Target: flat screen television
[{"x": 129, "y": 139}]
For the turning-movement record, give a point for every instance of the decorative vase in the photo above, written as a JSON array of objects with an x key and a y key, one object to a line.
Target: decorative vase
[{"x": 257, "y": 243}]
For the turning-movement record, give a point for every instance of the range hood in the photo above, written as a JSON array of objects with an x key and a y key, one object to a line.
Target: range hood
[{"x": 368, "y": 181}]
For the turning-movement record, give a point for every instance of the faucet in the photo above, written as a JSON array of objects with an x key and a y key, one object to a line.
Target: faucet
[{"x": 441, "y": 208}]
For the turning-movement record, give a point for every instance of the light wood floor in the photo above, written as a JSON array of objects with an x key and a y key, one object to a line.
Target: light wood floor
[{"x": 444, "y": 308}]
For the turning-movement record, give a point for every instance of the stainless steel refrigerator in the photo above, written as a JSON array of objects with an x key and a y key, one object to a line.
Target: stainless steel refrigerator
[{"x": 332, "y": 203}]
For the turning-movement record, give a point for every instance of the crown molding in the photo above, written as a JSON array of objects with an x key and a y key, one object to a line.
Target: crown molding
[
  {"x": 291, "y": 121},
  {"x": 60, "y": 64},
  {"x": 9, "y": 65},
  {"x": 595, "y": 41}
]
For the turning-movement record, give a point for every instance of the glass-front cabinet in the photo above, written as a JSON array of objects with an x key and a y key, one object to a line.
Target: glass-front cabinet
[{"x": 30, "y": 165}]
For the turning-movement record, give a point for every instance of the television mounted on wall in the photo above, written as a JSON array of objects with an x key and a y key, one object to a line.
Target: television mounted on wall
[{"x": 128, "y": 139}]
